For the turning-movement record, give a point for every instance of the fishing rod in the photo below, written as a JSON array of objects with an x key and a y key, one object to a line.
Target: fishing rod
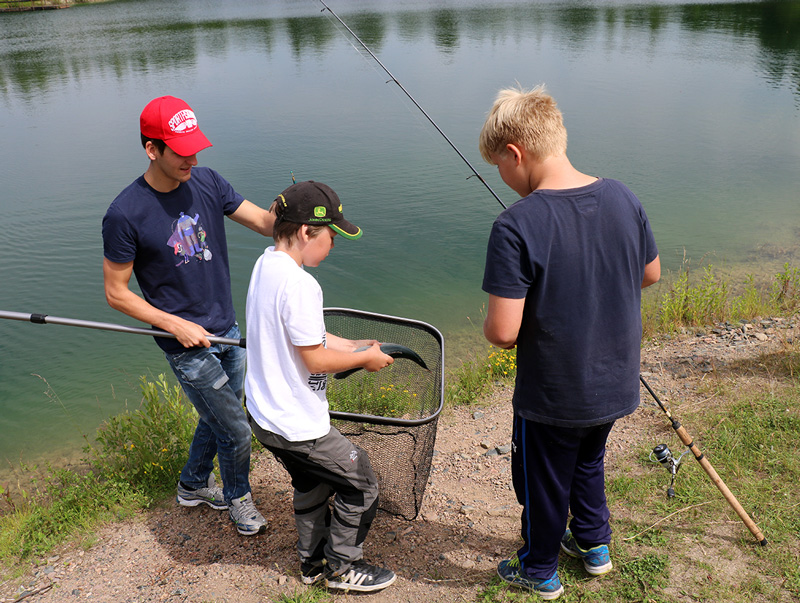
[
  {"x": 687, "y": 440},
  {"x": 42, "y": 319},
  {"x": 413, "y": 100}
]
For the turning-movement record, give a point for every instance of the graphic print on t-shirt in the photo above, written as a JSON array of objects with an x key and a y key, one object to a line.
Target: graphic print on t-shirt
[
  {"x": 318, "y": 382},
  {"x": 189, "y": 240}
]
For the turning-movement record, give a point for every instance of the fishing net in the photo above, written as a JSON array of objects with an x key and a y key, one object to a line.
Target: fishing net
[{"x": 392, "y": 413}]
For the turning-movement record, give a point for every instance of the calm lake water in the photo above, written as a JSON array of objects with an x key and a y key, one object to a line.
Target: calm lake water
[{"x": 695, "y": 106}]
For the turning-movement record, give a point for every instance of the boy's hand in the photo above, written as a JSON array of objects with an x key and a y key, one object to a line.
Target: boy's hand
[
  {"x": 376, "y": 360},
  {"x": 362, "y": 343}
]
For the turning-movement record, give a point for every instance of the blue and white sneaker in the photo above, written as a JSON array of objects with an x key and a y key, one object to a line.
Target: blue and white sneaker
[
  {"x": 510, "y": 570},
  {"x": 596, "y": 560}
]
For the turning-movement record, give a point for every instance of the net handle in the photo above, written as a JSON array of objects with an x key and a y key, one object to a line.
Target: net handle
[{"x": 375, "y": 420}]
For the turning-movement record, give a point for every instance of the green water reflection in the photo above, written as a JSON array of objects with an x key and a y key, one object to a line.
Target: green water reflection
[{"x": 35, "y": 56}]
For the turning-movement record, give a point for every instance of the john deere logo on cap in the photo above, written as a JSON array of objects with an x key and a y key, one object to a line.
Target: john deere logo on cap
[{"x": 319, "y": 211}]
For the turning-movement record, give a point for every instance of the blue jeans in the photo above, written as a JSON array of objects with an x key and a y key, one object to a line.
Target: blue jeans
[{"x": 213, "y": 380}]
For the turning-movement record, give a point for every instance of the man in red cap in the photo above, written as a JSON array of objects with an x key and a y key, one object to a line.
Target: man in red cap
[{"x": 168, "y": 229}]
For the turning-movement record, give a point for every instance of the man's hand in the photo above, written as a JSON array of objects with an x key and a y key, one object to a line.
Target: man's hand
[
  {"x": 188, "y": 333},
  {"x": 116, "y": 278}
]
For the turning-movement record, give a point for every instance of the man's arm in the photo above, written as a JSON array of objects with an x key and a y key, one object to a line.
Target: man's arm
[
  {"x": 254, "y": 217},
  {"x": 652, "y": 272},
  {"x": 116, "y": 279},
  {"x": 319, "y": 359},
  {"x": 503, "y": 320}
]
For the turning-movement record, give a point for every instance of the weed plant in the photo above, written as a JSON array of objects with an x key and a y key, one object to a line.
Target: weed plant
[
  {"x": 148, "y": 447},
  {"x": 689, "y": 303},
  {"x": 703, "y": 303},
  {"x": 37, "y": 4},
  {"x": 785, "y": 293},
  {"x": 474, "y": 378},
  {"x": 315, "y": 594},
  {"x": 64, "y": 504}
]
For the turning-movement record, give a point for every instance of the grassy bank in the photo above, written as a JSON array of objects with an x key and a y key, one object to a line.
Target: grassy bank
[
  {"x": 136, "y": 457},
  {"x": 695, "y": 299}
]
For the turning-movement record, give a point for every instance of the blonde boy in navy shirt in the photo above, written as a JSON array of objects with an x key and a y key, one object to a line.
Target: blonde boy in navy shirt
[{"x": 565, "y": 266}]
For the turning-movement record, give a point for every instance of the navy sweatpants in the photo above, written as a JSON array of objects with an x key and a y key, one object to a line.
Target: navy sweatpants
[{"x": 556, "y": 470}]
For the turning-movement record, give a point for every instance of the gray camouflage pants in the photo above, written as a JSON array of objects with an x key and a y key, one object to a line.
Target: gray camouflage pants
[{"x": 330, "y": 465}]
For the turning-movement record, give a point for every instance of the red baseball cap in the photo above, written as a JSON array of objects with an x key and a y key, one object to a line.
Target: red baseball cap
[{"x": 170, "y": 119}]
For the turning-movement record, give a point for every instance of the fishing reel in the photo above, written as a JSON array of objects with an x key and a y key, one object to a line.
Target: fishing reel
[{"x": 663, "y": 455}]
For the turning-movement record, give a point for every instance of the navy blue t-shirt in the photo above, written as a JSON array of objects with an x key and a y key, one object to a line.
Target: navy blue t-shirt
[
  {"x": 177, "y": 244},
  {"x": 577, "y": 256}
]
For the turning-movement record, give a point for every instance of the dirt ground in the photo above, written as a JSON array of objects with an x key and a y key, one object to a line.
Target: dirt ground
[{"x": 469, "y": 520}]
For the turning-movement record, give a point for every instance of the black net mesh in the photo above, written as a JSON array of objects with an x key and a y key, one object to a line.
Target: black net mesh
[{"x": 393, "y": 413}]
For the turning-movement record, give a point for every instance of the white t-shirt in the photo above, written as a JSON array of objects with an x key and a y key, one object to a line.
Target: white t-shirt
[{"x": 284, "y": 310}]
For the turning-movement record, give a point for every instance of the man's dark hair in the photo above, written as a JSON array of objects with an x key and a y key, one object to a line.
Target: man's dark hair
[{"x": 159, "y": 144}]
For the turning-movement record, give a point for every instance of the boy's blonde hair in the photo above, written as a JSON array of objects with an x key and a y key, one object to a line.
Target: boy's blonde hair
[{"x": 527, "y": 118}]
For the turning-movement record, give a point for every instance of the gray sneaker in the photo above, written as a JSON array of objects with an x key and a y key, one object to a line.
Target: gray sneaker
[
  {"x": 246, "y": 517},
  {"x": 211, "y": 495}
]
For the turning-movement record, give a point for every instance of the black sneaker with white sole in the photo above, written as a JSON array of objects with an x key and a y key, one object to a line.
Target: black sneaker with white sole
[
  {"x": 360, "y": 577},
  {"x": 311, "y": 573}
]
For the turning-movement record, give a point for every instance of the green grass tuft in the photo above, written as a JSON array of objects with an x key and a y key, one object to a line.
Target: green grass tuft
[
  {"x": 148, "y": 447},
  {"x": 713, "y": 298},
  {"x": 365, "y": 396},
  {"x": 470, "y": 381}
]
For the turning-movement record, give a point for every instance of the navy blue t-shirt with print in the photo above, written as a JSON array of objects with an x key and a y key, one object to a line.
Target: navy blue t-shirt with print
[
  {"x": 177, "y": 244},
  {"x": 577, "y": 256}
]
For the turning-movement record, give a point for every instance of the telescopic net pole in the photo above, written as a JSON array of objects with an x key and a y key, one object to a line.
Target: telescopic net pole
[
  {"x": 687, "y": 440},
  {"x": 42, "y": 319}
]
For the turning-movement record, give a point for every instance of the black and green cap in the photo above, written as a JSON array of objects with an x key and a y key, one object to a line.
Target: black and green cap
[{"x": 315, "y": 204}]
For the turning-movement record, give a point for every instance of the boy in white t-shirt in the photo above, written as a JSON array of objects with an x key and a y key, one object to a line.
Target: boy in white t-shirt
[{"x": 289, "y": 354}]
